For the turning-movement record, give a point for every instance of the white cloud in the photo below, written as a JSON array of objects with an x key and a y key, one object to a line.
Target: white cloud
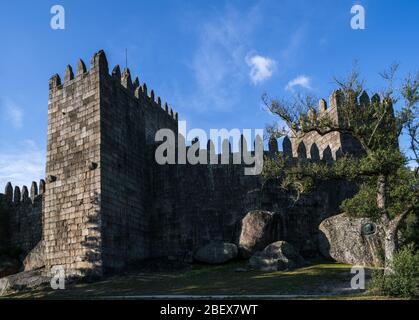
[
  {"x": 301, "y": 81},
  {"x": 261, "y": 68},
  {"x": 12, "y": 113},
  {"x": 21, "y": 164}
]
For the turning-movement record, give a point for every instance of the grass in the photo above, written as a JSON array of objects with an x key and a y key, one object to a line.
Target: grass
[{"x": 323, "y": 280}]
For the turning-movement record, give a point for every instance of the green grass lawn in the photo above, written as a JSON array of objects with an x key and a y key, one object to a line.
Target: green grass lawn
[{"x": 320, "y": 280}]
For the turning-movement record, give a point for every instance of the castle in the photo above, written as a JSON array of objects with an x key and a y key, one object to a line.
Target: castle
[{"x": 105, "y": 202}]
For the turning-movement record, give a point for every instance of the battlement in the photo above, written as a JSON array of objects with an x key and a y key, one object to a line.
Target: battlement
[
  {"x": 17, "y": 195},
  {"x": 23, "y": 221},
  {"x": 226, "y": 156},
  {"x": 333, "y": 145},
  {"x": 336, "y": 105},
  {"x": 99, "y": 63}
]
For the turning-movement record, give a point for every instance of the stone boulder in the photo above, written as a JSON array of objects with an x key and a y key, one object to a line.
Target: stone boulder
[
  {"x": 355, "y": 241},
  {"x": 277, "y": 256},
  {"x": 256, "y": 230},
  {"x": 35, "y": 258},
  {"x": 216, "y": 252},
  {"x": 22, "y": 281}
]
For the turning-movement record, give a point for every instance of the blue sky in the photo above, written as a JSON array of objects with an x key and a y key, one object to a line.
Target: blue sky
[{"x": 211, "y": 60}]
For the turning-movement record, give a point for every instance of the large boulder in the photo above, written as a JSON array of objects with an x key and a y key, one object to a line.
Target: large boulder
[
  {"x": 35, "y": 258},
  {"x": 277, "y": 256},
  {"x": 22, "y": 281},
  {"x": 256, "y": 230},
  {"x": 355, "y": 241},
  {"x": 216, "y": 252}
]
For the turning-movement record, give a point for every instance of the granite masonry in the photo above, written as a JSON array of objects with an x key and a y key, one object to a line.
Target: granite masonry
[{"x": 106, "y": 203}]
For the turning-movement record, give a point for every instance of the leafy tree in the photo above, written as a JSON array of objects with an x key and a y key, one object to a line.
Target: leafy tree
[{"x": 389, "y": 189}]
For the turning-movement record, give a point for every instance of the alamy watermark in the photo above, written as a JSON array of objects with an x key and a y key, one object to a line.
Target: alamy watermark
[
  {"x": 358, "y": 280},
  {"x": 173, "y": 150},
  {"x": 58, "y": 19},
  {"x": 358, "y": 20},
  {"x": 58, "y": 278}
]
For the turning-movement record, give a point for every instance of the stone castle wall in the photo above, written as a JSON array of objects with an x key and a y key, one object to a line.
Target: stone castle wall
[
  {"x": 129, "y": 120},
  {"x": 107, "y": 202},
  {"x": 71, "y": 213},
  {"x": 98, "y": 126},
  {"x": 21, "y": 217},
  {"x": 330, "y": 146},
  {"x": 199, "y": 203}
]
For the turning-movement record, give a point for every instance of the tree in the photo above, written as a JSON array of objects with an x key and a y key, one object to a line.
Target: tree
[{"x": 389, "y": 189}]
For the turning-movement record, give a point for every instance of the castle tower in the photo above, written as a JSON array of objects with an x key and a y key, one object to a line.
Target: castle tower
[
  {"x": 330, "y": 146},
  {"x": 93, "y": 213}
]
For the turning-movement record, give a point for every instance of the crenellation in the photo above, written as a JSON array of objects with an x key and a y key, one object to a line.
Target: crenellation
[
  {"x": 8, "y": 192},
  {"x": 287, "y": 147},
  {"x": 322, "y": 107},
  {"x": 34, "y": 190},
  {"x": 116, "y": 73},
  {"x": 17, "y": 195},
  {"x": 54, "y": 82},
  {"x": 81, "y": 68},
  {"x": 136, "y": 83},
  {"x": 312, "y": 115},
  {"x": 138, "y": 92},
  {"x": 375, "y": 99},
  {"x": 337, "y": 144},
  {"x": 99, "y": 62},
  {"x": 68, "y": 75},
  {"x": 273, "y": 145},
  {"x": 335, "y": 99},
  {"x": 126, "y": 79}
]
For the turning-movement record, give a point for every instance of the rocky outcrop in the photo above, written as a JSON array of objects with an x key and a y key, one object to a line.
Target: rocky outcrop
[
  {"x": 22, "y": 281},
  {"x": 216, "y": 252},
  {"x": 356, "y": 241},
  {"x": 35, "y": 259},
  {"x": 257, "y": 229},
  {"x": 277, "y": 256}
]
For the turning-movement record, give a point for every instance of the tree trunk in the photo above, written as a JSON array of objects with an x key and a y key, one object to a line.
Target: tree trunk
[
  {"x": 391, "y": 228},
  {"x": 390, "y": 246},
  {"x": 381, "y": 193}
]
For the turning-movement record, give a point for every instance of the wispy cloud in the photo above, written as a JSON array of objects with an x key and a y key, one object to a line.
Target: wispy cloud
[
  {"x": 218, "y": 63},
  {"x": 227, "y": 55},
  {"x": 261, "y": 68},
  {"x": 296, "y": 40},
  {"x": 21, "y": 164},
  {"x": 300, "y": 81},
  {"x": 13, "y": 113}
]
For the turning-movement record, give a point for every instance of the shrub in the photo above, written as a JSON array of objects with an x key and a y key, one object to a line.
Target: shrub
[{"x": 404, "y": 281}]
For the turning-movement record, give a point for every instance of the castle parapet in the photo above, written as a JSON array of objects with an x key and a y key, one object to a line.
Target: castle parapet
[
  {"x": 332, "y": 145},
  {"x": 99, "y": 63},
  {"x": 18, "y": 195},
  {"x": 22, "y": 226}
]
